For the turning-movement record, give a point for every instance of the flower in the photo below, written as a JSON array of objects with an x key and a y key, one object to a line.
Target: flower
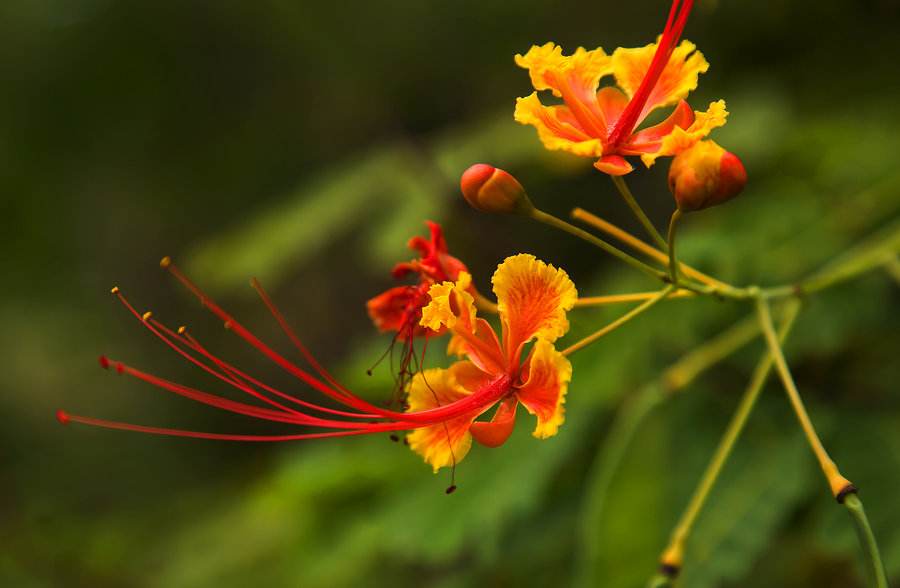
[
  {"x": 400, "y": 308},
  {"x": 532, "y": 299},
  {"x": 602, "y": 124},
  {"x": 705, "y": 175},
  {"x": 349, "y": 415}
]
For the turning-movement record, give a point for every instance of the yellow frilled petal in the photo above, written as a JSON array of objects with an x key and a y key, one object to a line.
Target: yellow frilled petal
[
  {"x": 678, "y": 78},
  {"x": 680, "y": 139},
  {"x": 550, "y": 70},
  {"x": 556, "y": 127},
  {"x": 447, "y": 442},
  {"x": 451, "y": 305},
  {"x": 532, "y": 298},
  {"x": 544, "y": 391}
]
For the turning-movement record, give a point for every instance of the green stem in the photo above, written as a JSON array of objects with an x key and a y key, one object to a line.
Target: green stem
[
  {"x": 632, "y": 414},
  {"x": 673, "y": 262},
  {"x": 867, "y": 539},
  {"x": 618, "y": 322},
  {"x": 842, "y": 489},
  {"x": 549, "y": 219},
  {"x": 629, "y": 199},
  {"x": 672, "y": 558}
]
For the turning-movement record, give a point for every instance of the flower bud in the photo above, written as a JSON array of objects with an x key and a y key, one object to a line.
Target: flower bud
[
  {"x": 491, "y": 189},
  {"x": 705, "y": 175}
]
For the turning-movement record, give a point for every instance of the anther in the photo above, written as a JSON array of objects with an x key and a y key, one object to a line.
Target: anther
[
  {"x": 227, "y": 325},
  {"x": 114, "y": 290},
  {"x": 394, "y": 438},
  {"x": 146, "y": 316},
  {"x": 63, "y": 417},
  {"x": 104, "y": 362},
  {"x": 182, "y": 329},
  {"x": 165, "y": 262},
  {"x": 450, "y": 489}
]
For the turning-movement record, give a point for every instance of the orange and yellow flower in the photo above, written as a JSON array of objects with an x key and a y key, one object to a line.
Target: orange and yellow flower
[
  {"x": 399, "y": 309},
  {"x": 533, "y": 298},
  {"x": 603, "y": 122}
]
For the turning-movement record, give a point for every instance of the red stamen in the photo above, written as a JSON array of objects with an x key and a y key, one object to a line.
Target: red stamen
[
  {"x": 66, "y": 418},
  {"x": 670, "y": 37}
]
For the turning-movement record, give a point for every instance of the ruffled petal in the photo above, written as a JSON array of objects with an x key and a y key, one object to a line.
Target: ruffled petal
[
  {"x": 677, "y": 80},
  {"x": 544, "y": 390},
  {"x": 453, "y": 307},
  {"x": 557, "y": 128},
  {"x": 446, "y": 443},
  {"x": 532, "y": 298},
  {"x": 574, "y": 78},
  {"x": 680, "y": 139}
]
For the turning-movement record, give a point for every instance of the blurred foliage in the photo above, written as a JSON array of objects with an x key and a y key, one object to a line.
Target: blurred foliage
[{"x": 304, "y": 143}]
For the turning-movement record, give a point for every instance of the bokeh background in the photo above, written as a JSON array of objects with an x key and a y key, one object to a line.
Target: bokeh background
[{"x": 303, "y": 143}]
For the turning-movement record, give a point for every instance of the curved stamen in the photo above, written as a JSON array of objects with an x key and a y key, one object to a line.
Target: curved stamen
[{"x": 670, "y": 37}]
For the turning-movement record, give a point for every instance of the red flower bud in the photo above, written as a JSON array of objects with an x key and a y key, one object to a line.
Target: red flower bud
[
  {"x": 491, "y": 189},
  {"x": 705, "y": 175}
]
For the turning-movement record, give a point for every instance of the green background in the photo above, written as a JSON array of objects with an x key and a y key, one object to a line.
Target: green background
[{"x": 303, "y": 143}]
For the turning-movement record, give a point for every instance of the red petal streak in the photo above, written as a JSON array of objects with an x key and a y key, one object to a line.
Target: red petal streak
[{"x": 670, "y": 37}]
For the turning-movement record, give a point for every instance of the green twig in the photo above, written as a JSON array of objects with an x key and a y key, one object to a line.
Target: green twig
[
  {"x": 549, "y": 219},
  {"x": 618, "y": 322},
  {"x": 629, "y": 199},
  {"x": 842, "y": 489},
  {"x": 672, "y": 558},
  {"x": 673, "y": 262}
]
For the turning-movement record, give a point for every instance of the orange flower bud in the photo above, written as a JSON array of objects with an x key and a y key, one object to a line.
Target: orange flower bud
[
  {"x": 491, "y": 189},
  {"x": 705, "y": 175}
]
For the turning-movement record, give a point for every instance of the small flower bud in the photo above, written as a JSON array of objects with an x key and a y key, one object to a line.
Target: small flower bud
[
  {"x": 705, "y": 175},
  {"x": 491, "y": 189}
]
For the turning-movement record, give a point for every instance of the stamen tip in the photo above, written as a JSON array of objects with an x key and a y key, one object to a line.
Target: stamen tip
[
  {"x": 450, "y": 489},
  {"x": 227, "y": 325},
  {"x": 114, "y": 290},
  {"x": 146, "y": 316},
  {"x": 104, "y": 362},
  {"x": 63, "y": 417},
  {"x": 182, "y": 329},
  {"x": 394, "y": 438},
  {"x": 165, "y": 262}
]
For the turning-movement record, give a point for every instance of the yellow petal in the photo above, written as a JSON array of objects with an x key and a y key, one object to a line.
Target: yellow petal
[
  {"x": 681, "y": 139},
  {"x": 451, "y": 305},
  {"x": 446, "y": 443},
  {"x": 556, "y": 127},
  {"x": 678, "y": 78},
  {"x": 532, "y": 298},
  {"x": 544, "y": 391},
  {"x": 550, "y": 70}
]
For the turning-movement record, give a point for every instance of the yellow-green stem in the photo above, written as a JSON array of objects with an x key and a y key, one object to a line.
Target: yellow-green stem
[
  {"x": 673, "y": 261},
  {"x": 618, "y": 322},
  {"x": 639, "y": 213},
  {"x": 842, "y": 489},
  {"x": 549, "y": 219},
  {"x": 673, "y": 556},
  {"x": 632, "y": 414}
]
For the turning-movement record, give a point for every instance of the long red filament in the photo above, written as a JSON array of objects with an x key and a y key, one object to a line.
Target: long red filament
[
  {"x": 65, "y": 418},
  {"x": 669, "y": 39},
  {"x": 489, "y": 393}
]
